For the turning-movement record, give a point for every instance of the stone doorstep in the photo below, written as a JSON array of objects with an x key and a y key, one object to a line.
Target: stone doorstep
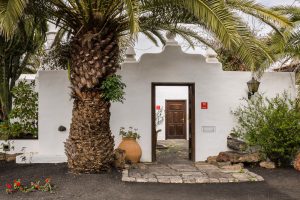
[
  {"x": 150, "y": 175},
  {"x": 163, "y": 179},
  {"x": 135, "y": 175},
  {"x": 242, "y": 177},
  {"x": 189, "y": 180},
  {"x": 214, "y": 180},
  {"x": 165, "y": 173},
  {"x": 223, "y": 180},
  {"x": 190, "y": 176},
  {"x": 176, "y": 180},
  {"x": 142, "y": 180},
  {"x": 128, "y": 179},
  {"x": 232, "y": 168},
  {"x": 152, "y": 180},
  {"x": 125, "y": 172},
  {"x": 183, "y": 167},
  {"x": 202, "y": 180},
  {"x": 186, "y": 170},
  {"x": 169, "y": 179},
  {"x": 206, "y": 167},
  {"x": 195, "y": 174},
  {"x": 232, "y": 180}
]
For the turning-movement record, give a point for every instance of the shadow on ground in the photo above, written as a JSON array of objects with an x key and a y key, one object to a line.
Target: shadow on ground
[{"x": 280, "y": 184}]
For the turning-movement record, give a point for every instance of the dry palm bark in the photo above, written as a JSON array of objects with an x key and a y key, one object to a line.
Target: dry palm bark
[{"x": 94, "y": 57}]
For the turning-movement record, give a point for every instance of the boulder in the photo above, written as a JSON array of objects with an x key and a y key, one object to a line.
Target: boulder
[
  {"x": 212, "y": 160},
  {"x": 250, "y": 158},
  {"x": 238, "y": 157},
  {"x": 297, "y": 162},
  {"x": 221, "y": 164},
  {"x": 228, "y": 156},
  {"x": 267, "y": 164},
  {"x": 119, "y": 158},
  {"x": 236, "y": 144}
]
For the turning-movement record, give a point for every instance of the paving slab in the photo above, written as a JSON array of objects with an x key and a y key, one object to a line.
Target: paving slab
[
  {"x": 187, "y": 173},
  {"x": 172, "y": 166}
]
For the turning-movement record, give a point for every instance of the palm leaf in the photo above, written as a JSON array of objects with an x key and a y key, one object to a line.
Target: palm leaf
[
  {"x": 132, "y": 7},
  {"x": 271, "y": 17},
  {"x": 10, "y": 13}
]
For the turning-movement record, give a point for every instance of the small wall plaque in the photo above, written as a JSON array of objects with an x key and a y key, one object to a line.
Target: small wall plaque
[
  {"x": 204, "y": 105},
  {"x": 208, "y": 129}
]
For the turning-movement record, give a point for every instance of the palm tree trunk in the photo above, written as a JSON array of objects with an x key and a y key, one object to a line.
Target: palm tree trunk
[{"x": 90, "y": 145}]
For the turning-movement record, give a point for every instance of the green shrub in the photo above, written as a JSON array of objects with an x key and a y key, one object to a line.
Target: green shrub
[
  {"x": 130, "y": 133},
  {"x": 271, "y": 124},
  {"x": 113, "y": 88},
  {"x": 23, "y": 119}
]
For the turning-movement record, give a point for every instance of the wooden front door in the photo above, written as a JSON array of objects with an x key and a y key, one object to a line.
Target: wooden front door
[{"x": 175, "y": 119}]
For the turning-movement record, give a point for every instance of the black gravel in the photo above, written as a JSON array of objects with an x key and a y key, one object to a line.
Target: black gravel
[{"x": 280, "y": 184}]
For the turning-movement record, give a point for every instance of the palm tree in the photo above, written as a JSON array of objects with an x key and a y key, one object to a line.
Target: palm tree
[
  {"x": 97, "y": 28},
  {"x": 289, "y": 49},
  {"x": 287, "y": 52}
]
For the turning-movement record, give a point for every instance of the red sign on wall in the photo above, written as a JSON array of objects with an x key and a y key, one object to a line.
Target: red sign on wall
[
  {"x": 157, "y": 107},
  {"x": 204, "y": 105}
]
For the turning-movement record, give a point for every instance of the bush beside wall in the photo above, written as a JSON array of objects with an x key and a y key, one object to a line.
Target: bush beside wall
[{"x": 271, "y": 124}]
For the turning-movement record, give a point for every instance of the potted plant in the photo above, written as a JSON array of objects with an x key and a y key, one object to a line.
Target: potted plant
[{"x": 129, "y": 144}]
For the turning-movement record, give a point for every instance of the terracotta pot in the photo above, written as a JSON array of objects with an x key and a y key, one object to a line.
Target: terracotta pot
[{"x": 132, "y": 149}]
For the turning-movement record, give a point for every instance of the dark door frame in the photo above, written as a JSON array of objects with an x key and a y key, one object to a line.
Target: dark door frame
[
  {"x": 191, "y": 113},
  {"x": 185, "y": 115}
]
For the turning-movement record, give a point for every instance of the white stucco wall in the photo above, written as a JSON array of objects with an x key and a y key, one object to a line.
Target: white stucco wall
[
  {"x": 20, "y": 146},
  {"x": 164, "y": 93},
  {"x": 222, "y": 90},
  {"x": 55, "y": 107}
]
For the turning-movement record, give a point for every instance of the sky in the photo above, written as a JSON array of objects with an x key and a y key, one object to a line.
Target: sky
[{"x": 145, "y": 46}]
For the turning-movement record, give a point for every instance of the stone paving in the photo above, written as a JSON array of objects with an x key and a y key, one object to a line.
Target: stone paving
[
  {"x": 186, "y": 173},
  {"x": 173, "y": 167}
]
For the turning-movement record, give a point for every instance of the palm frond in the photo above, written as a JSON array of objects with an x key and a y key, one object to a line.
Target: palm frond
[
  {"x": 132, "y": 7},
  {"x": 293, "y": 12},
  {"x": 10, "y": 13},
  {"x": 271, "y": 17}
]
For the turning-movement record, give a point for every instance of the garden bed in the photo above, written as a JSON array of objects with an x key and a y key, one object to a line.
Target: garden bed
[{"x": 280, "y": 184}]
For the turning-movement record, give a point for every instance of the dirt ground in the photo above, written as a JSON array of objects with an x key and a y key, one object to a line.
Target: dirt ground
[{"x": 280, "y": 184}]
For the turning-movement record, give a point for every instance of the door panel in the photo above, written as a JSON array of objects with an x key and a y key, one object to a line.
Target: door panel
[{"x": 175, "y": 119}]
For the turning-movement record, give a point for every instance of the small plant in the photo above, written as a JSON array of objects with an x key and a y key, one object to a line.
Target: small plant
[
  {"x": 113, "y": 88},
  {"x": 159, "y": 118},
  {"x": 34, "y": 186},
  {"x": 130, "y": 133},
  {"x": 273, "y": 125}
]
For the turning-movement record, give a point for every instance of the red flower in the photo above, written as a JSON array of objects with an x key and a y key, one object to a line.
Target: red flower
[
  {"x": 8, "y": 186},
  {"x": 18, "y": 184},
  {"x": 47, "y": 180}
]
